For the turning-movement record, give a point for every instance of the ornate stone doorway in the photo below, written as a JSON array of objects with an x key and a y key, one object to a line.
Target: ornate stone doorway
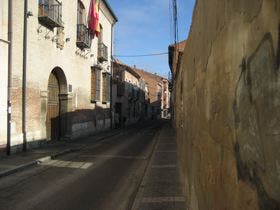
[{"x": 57, "y": 86}]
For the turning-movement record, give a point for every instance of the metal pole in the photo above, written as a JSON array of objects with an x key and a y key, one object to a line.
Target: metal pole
[
  {"x": 111, "y": 80},
  {"x": 24, "y": 75},
  {"x": 10, "y": 36}
]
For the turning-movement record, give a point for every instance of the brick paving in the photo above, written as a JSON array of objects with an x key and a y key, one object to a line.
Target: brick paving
[{"x": 161, "y": 188}]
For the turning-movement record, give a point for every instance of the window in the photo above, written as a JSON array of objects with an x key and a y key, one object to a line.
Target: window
[
  {"x": 95, "y": 84},
  {"x": 120, "y": 89},
  {"x": 100, "y": 36},
  {"x": 50, "y": 13},
  {"x": 102, "y": 48},
  {"x": 83, "y": 35},
  {"x": 81, "y": 13},
  {"x": 106, "y": 87}
]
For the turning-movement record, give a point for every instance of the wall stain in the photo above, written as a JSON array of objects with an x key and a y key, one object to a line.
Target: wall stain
[{"x": 248, "y": 171}]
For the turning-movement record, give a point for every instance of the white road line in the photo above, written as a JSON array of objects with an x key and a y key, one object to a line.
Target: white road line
[
  {"x": 163, "y": 199},
  {"x": 67, "y": 164},
  {"x": 163, "y": 166},
  {"x": 115, "y": 156},
  {"x": 166, "y": 151}
]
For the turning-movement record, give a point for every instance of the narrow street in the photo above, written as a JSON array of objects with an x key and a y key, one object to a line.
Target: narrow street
[
  {"x": 140, "y": 105},
  {"x": 105, "y": 175}
]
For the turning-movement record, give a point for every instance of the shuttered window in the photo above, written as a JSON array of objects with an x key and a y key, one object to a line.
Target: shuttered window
[
  {"x": 95, "y": 85},
  {"x": 104, "y": 97},
  {"x": 106, "y": 87}
]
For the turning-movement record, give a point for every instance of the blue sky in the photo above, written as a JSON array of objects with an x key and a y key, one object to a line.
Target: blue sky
[{"x": 144, "y": 28}]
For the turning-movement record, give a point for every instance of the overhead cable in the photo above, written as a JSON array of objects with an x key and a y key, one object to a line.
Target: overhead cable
[{"x": 143, "y": 55}]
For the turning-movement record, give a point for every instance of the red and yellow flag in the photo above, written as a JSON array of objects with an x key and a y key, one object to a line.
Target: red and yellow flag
[{"x": 93, "y": 18}]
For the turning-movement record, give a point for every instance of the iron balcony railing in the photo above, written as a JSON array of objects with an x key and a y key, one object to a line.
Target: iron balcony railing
[
  {"x": 83, "y": 36},
  {"x": 50, "y": 13},
  {"x": 102, "y": 52}
]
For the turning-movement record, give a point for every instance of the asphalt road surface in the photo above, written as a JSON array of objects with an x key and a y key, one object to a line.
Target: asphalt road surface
[{"x": 104, "y": 176}]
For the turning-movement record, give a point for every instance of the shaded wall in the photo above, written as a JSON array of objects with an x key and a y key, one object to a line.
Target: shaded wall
[
  {"x": 228, "y": 106},
  {"x": 4, "y": 71}
]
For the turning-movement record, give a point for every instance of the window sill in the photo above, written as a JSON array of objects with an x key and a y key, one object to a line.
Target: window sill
[{"x": 94, "y": 101}]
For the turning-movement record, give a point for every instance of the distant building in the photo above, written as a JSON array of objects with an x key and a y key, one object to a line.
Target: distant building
[
  {"x": 138, "y": 95},
  {"x": 175, "y": 62},
  {"x": 175, "y": 56},
  {"x": 165, "y": 101},
  {"x": 128, "y": 92},
  {"x": 159, "y": 94},
  {"x": 68, "y": 72}
]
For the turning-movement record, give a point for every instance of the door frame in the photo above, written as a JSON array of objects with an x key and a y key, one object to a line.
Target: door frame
[{"x": 63, "y": 91}]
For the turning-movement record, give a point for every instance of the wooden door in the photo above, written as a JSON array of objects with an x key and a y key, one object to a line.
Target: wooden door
[{"x": 53, "y": 112}]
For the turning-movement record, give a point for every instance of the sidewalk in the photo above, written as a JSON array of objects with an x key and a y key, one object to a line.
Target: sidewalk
[
  {"x": 161, "y": 187},
  {"x": 18, "y": 162}
]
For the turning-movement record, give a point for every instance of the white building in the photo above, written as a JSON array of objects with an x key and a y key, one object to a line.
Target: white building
[
  {"x": 67, "y": 73},
  {"x": 4, "y": 47}
]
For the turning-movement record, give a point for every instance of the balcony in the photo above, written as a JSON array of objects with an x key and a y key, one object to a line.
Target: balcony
[
  {"x": 83, "y": 37},
  {"x": 102, "y": 52},
  {"x": 50, "y": 13}
]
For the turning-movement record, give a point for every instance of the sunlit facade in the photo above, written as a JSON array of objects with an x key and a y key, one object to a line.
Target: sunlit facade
[{"x": 67, "y": 71}]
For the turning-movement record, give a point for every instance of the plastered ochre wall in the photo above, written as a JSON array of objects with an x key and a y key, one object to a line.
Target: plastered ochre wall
[{"x": 228, "y": 106}]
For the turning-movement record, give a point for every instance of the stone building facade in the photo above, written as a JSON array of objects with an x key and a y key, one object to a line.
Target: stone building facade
[
  {"x": 165, "y": 99},
  {"x": 227, "y": 106},
  {"x": 67, "y": 73},
  {"x": 159, "y": 94},
  {"x": 129, "y": 101}
]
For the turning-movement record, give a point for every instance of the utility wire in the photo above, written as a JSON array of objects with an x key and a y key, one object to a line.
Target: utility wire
[{"x": 144, "y": 55}]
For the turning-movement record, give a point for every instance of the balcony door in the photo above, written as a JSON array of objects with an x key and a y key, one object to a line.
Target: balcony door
[
  {"x": 100, "y": 36},
  {"x": 81, "y": 13}
]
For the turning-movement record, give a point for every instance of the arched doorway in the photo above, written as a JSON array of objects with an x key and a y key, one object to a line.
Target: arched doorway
[{"x": 57, "y": 86}]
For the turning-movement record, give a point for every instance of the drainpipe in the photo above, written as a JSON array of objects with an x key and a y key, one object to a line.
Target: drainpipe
[
  {"x": 24, "y": 75},
  {"x": 111, "y": 79},
  {"x": 10, "y": 35}
]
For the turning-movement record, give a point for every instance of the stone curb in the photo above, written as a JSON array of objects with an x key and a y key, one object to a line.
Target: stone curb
[
  {"x": 47, "y": 158},
  {"x": 17, "y": 169}
]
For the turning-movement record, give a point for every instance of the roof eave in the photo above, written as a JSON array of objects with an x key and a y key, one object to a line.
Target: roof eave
[{"x": 111, "y": 10}]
